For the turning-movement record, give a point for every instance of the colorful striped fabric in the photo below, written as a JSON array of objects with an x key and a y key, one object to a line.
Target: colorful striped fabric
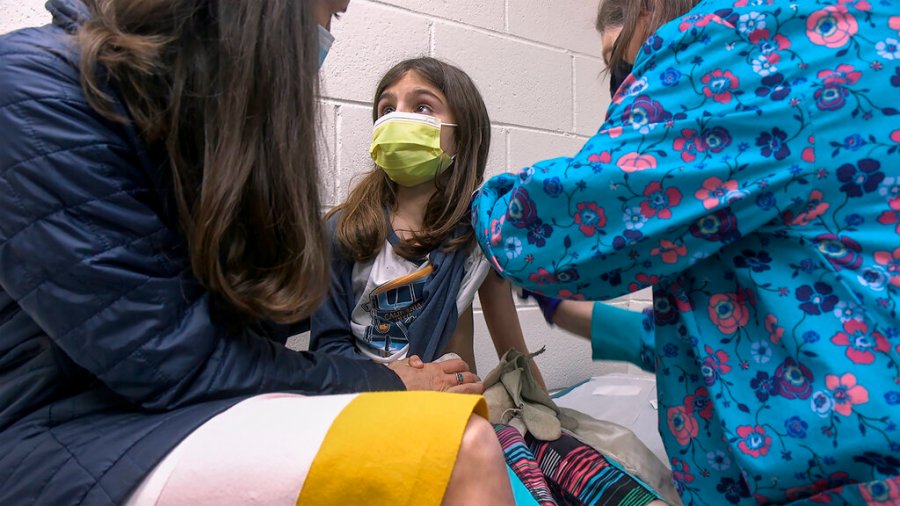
[
  {"x": 568, "y": 472},
  {"x": 522, "y": 462}
]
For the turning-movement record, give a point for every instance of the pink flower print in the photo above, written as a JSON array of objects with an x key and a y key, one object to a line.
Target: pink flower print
[
  {"x": 714, "y": 365},
  {"x": 689, "y": 144},
  {"x": 753, "y": 440},
  {"x": 719, "y": 84},
  {"x": 893, "y": 216},
  {"x": 845, "y": 392},
  {"x": 814, "y": 208},
  {"x": 642, "y": 280},
  {"x": 682, "y": 424},
  {"x": 767, "y": 44},
  {"x": 697, "y": 20},
  {"x": 809, "y": 153},
  {"x": 831, "y": 27},
  {"x": 714, "y": 191},
  {"x": 497, "y": 230},
  {"x": 613, "y": 132},
  {"x": 659, "y": 201},
  {"x": 569, "y": 295},
  {"x": 603, "y": 157},
  {"x": 622, "y": 92},
  {"x": 590, "y": 218},
  {"x": 843, "y": 74},
  {"x": 542, "y": 277},
  {"x": 775, "y": 331},
  {"x": 894, "y": 23},
  {"x": 861, "y": 346},
  {"x": 877, "y": 493},
  {"x": 891, "y": 261},
  {"x": 681, "y": 473},
  {"x": 670, "y": 251},
  {"x": 728, "y": 312},
  {"x": 699, "y": 403},
  {"x": 636, "y": 162}
]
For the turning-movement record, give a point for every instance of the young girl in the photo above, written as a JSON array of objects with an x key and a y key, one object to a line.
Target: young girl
[{"x": 405, "y": 269}]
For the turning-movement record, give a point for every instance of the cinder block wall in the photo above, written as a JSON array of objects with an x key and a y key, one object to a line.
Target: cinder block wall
[{"x": 536, "y": 63}]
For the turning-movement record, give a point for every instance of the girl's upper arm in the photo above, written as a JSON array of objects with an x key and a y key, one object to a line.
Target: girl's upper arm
[{"x": 500, "y": 314}]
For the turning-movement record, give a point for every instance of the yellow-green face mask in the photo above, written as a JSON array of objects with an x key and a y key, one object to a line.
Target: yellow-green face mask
[{"x": 408, "y": 147}]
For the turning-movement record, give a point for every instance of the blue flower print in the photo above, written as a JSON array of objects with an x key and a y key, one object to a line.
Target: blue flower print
[
  {"x": 796, "y": 427},
  {"x": 670, "y": 77},
  {"x": 553, "y": 187},
  {"x": 892, "y": 397}
]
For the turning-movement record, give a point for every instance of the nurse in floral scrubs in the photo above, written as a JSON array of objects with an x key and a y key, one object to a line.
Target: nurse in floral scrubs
[{"x": 749, "y": 171}]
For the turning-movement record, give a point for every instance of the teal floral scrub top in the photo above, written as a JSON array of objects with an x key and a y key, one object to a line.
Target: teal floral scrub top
[{"x": 748, "y": 171}]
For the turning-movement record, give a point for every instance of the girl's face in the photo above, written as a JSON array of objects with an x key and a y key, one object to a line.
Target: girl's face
[{"x": 412, "y": 93}]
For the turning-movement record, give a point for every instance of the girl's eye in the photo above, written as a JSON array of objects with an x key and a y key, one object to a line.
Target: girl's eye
[
  {"x": 424, "y": 109},
  {"x": 387, "y": 110}
]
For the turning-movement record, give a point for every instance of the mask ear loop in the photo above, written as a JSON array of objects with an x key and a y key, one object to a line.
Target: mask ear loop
[{"x": 453, "y": 156}]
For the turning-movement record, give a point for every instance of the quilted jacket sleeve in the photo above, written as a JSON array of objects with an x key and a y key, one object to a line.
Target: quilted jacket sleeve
[
  {"x": 331, "y": 332},
  {"x": 84, "y": 252}
]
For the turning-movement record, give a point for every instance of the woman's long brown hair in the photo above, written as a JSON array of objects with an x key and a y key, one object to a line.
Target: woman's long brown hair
[
  {"x": 228, "y": 90},
  {"x": 626, "y": 14},
  {"x": 362, "y": 228}
]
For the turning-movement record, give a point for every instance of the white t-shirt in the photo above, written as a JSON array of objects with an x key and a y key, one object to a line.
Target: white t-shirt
[{"x": 388, "y": 290}]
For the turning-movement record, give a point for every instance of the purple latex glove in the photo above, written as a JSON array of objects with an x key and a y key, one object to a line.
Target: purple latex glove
[{"x": 548, "y": 305}]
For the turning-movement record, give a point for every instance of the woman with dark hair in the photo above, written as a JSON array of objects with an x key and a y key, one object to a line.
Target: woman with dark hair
[
  {"x": 747, "y": 171},
  {"x": 160, "y": 239}
]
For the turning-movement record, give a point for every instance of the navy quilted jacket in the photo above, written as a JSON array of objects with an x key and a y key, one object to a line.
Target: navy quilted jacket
[{"x": 108, "y": 354}]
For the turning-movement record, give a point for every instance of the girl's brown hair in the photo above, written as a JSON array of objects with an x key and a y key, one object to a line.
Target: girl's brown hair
[
  {"x": 363, "y": 224},
  {"x": 228, "y": 91},
  {"x": 626, "y": 14}
]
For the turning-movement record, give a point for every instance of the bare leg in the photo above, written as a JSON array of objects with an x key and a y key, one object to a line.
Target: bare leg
[
  {"x": 575, "y": 316},
  {"x": 479, "y": 476}
]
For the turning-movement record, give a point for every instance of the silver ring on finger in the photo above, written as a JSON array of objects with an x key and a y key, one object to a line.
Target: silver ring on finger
[{"x": 459, "y": 378}]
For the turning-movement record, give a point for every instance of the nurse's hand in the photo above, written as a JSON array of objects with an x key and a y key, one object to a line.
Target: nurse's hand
[{"x": 447, "y": 376}]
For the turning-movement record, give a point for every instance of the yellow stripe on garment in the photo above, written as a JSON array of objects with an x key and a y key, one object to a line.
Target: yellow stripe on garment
[{"x": 390, "y": 448}]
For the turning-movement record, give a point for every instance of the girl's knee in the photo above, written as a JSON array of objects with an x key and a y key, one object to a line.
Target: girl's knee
[{"x": 479, "y": 441}]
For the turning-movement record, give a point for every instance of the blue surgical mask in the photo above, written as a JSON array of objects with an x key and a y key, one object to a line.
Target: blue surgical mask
[{"x": 325, "y": 42}]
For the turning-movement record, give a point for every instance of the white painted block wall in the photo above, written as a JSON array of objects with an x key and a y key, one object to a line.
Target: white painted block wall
[{"x": 536, "y": 64}]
